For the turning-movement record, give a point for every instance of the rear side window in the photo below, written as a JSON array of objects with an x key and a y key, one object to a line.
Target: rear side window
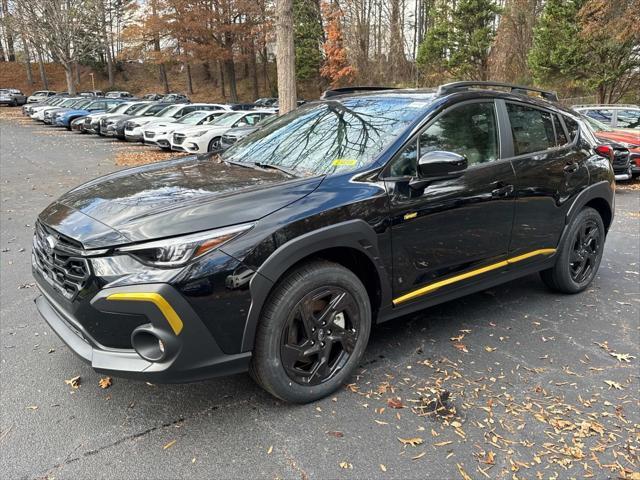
[
  {"x": 532, "y": 129},
  {"x": 561, "y": 137},
  {"x": 572, "y": 127},
  {"x": 628, "y": 119}
]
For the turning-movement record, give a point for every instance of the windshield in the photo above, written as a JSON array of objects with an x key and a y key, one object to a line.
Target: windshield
[
  {"x": 596, "y": 125},
  {"x": 151, "y": 110},
  {"x": 118, "y": 108},
  {"x": 326, "y": 137},
  {"x": 226, "y": 120},
  {"x": 192, "y": 118},
  {"x": 168, "y": 111}
]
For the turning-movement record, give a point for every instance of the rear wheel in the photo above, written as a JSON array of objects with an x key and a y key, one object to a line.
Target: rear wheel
[
  {"x": 580, "y": 254},
  {"x": 313, "y": 332}
]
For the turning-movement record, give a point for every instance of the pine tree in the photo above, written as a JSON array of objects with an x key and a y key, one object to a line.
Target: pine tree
[{"x": 307, "y": 26}]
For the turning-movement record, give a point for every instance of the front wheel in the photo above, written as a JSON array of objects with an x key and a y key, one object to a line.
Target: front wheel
[
  {"x": 579, "y": 256},
  {"x": 214, "y": 144},
  {"x": 313, "y": 332}
]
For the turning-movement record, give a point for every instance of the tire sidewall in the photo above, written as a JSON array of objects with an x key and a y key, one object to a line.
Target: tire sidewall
[
  {"x": 268, "y": 353},
  {"x": 211, "y": 147},
  {"x": 563, "y": 270}
]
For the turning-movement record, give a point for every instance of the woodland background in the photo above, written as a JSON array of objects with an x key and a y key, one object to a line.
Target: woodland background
[{"x": 225, "y": 49}]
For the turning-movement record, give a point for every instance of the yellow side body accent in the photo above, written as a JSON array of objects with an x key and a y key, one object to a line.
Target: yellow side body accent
[
  {"x": 463, "y": 276},
  {"x": 158, "y": 300}
]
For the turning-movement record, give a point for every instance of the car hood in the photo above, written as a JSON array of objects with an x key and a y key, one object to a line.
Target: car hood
[
  {"x": 160, "y": 125},
  {"x": 175, "y": 197},
  {"x": 75, "y": 112},
  {"x": 618, "y": 136}
]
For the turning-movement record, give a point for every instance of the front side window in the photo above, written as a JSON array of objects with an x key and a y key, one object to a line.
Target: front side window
[
  {"x": 469, "y": 130},
  {"x": 532, "y": 129},
  {"x": 628, "y": 119},
  {"x": 574, "y": 128}
]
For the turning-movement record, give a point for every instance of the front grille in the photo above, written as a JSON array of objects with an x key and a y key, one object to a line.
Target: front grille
[
  {"x": 52, "y": 256},
  {"x": 149, "y": 134},
  {"x": 178, "y": 138}
]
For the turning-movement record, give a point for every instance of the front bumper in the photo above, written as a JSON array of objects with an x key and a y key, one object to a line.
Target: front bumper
[{"x": 191, "y": 352}]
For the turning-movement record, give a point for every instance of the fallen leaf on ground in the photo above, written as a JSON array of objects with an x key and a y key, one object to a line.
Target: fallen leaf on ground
[
  {"x": 464, "y": 474},
  {"x": 336, "y": 434},
  {"x": 169, "y": 445},
  {"x": 394, "y": 403},
  {"x": 490, "y": 349},
  {"x": 419, "y": 456},
  {"x": 270, "y": 450},
  {"x": 615, "y": 385},
  {"x": 383, "y": 468},
  {"x": 622, "y": 357},
  {"x": 105, "y": 382},
  {"x": 411, "y": 441},
  {"x": 74, "y": 382},
  {"x": 345, "y": 465}
]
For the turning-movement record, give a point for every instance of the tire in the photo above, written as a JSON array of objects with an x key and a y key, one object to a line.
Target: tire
[
  {"x": 347, "y": 314},
  {"x": 580, "y": 254},
  {"x": 214, "y": 144}
]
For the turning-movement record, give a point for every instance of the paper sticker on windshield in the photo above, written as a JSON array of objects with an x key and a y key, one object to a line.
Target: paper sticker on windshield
[
  {"x": 344, "y": 162},
  {"x": 417, "y": 104}
]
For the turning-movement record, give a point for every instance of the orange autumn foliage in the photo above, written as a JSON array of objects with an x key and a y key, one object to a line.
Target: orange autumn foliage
[{"x": 336, "y": 68}]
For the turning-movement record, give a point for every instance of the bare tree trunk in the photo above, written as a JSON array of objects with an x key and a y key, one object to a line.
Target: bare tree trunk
[
  {"x": 162, "y": 75},
  {"x": 222, "y": 86},
  {"x": 68, "y": 73},
  {"x": 11, "y": 53},
  {"x": 43, "y": 72},
  {"x": 2, "y": 57},
  {"x": 230, "y": 74},
  {"x": 77, "y": 65},
  {"x": 254, "y": 70},
  {"x": 27, "y": 61},
  {"x": 285, "y": 57},
  {"x": 105, "y": 44},
  {"x": 189, "y": 80}
]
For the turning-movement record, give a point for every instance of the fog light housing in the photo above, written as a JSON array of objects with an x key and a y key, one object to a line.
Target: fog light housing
[{"x": 152, "y": 344}]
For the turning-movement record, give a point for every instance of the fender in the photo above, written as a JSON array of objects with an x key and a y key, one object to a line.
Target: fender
[
  {"x": 356, "y": 234},
  {"x": 601, "y": 190}
]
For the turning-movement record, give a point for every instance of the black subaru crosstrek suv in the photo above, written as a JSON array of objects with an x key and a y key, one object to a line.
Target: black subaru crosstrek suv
[{"x": 278, "y": 255}]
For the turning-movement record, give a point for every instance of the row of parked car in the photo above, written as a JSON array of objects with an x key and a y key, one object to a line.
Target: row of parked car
[
  {"x": 172, "y": 122},
  {"x": 165, "y": 123}
]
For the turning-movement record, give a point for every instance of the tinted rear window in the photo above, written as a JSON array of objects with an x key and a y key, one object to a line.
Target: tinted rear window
[{"x": 532, "y": 129}]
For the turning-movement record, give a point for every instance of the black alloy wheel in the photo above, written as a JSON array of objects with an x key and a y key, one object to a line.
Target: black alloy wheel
[
  {"x": 585, "y": 252},
  {"x": 579, "y": 254},
  {"x": 320, "y": 335}
]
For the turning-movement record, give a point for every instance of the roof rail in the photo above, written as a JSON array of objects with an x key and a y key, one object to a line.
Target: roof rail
[
  {"x": 457, "y": 86},
  {"x": 334, "y": 92}
]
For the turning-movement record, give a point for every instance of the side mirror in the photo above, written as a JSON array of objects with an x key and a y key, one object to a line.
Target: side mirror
[{"x": 438, "y": 165}]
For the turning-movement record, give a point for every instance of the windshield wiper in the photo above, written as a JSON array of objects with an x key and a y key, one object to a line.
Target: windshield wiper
[{"x": 267, "y": 166}]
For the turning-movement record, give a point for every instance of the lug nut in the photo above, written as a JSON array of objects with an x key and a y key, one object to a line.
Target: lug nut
[
  {"x": 322, "y": 344},
  {"x": 312, "y": 342}
]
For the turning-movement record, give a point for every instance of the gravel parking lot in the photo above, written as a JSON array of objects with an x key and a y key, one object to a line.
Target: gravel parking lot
[{"x": 513, "y": 382}]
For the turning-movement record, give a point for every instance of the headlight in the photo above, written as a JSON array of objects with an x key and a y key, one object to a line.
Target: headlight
[
  {"x": 198, "y": 134},
  {"x": 178, "y": 251}
]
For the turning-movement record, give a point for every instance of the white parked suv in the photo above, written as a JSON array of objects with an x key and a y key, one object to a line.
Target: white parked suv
[
  {"x": 133, "y": 128},
  {"x": 206, "y": 138},
  {"x": 159, "y": 133}
]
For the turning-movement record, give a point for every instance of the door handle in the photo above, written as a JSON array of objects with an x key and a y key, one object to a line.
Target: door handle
[
  {"x": 571, "y": 167},
  {"x": 502, "y": 190}
]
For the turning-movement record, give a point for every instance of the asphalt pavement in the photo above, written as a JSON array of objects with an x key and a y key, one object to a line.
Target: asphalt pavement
[{"x": 513, "y": 382}]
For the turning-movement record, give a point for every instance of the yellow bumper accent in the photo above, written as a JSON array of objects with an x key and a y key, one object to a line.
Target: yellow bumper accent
[
  {"x": 463, "y": 276},
  {"x": 158, "y": 300}
]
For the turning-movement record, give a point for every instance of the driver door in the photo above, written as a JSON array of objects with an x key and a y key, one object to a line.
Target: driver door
[{"x": 452, "y": 228}]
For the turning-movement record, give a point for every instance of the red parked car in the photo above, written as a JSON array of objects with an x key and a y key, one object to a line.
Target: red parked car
[{"x": 630, "y": 140}]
